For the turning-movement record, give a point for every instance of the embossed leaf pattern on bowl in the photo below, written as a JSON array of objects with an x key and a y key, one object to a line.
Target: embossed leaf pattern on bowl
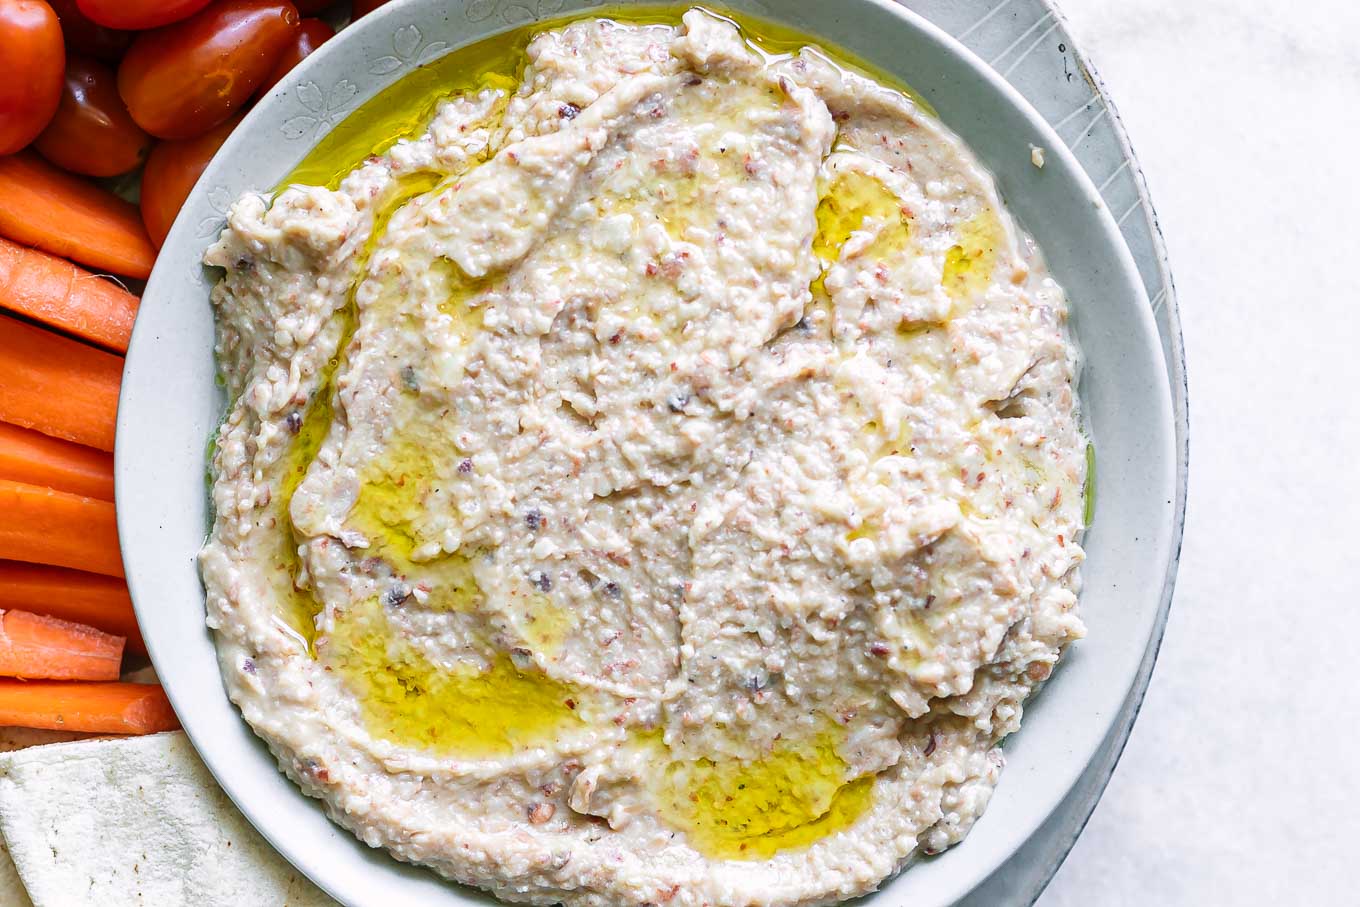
[
  {"x": 408, "y": 49},
  {"x": 517, "y": 13},
  {"x": 324, "y": 108},
  {"x": 220, "y": 200}
]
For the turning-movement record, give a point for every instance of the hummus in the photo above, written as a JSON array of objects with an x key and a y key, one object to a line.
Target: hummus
[{"x": 659, "y": 482}]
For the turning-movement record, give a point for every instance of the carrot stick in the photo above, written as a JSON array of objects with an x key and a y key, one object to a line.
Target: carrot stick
[
  {"x": 35, "y": 647},
  {"x": 42, "y": 526},
  {"x": 26, "y": 456},
  {"x": 86, "y": 598},
  {"x": 71, "y": 217},
  {"x": 58, "y": 386},
  {"x": 99, "y": 708},
  {"x": 57, "y": 293}
]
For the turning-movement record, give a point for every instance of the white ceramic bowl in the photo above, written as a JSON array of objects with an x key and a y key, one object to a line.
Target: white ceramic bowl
[{"x": 171, "y": 404}]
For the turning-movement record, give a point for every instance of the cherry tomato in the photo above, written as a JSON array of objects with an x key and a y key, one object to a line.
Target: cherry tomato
[
  {"x": 139, "y": 14},
  {"x": 182, "y": 80},
  {"x": 89, "y": 38},
  {"x": 92, "y": 132},
  {"x": 310, "y": 35},
  {"x": 170, "y": 173},
  {"x": 30, "y": 78},
  {"x": 364, "y": 7}
]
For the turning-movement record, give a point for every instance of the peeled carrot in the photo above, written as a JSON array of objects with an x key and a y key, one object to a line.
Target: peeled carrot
[
  {"x": 43, "y": 526},
  {"x": 86, "y": 598},
  {"x": 36, "y": 647},
  {"x": 45, "y": 207},
  {"x": 27, "y": 456},
  {"x": 58, "y": 386},
  {"x": 56, "y": 292},
  {"x": 98, "y": 708}
]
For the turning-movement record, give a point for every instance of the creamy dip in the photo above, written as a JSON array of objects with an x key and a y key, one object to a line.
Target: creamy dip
[{"x": 659, "y": 482}]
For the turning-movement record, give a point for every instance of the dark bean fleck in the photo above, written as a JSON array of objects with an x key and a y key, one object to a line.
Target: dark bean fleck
[
  {"x": 534, "y": 519},
  {"x": 694, "y": 80},
  {"x": 541, "y": 581},
  {"x": 878, "y": 649},
  {"x": 294, "y": 422},
  {"x": 465, "y": 467},
  {"x": 930, "y": 745},
  {"x": 930, "y": 600},
  {"x": 396, "y": 594},
  {"x": 612, "y": 589},
  {"x": 568, "y": 111},
  {"x": 616, "y": 338}
]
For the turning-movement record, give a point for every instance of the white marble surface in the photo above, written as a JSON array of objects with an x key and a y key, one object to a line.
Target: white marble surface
[{"x": 1240, "y": 784}]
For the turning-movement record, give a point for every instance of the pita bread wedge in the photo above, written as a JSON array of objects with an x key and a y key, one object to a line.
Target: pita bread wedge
[{"x": 135, "y": 821}]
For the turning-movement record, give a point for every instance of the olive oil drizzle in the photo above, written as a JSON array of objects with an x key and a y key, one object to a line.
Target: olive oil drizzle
[
  {"x": 300, "y": 606},
  {"x": 467, "y": 710},
  {"x": 740, "y": 809}
]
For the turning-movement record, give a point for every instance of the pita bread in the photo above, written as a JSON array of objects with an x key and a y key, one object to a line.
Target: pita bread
[{"x": 135, "y": 821}]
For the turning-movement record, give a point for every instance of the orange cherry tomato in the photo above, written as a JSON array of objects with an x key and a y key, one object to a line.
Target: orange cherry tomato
[
  {"x": 170, "y": 174},
  {"x": 311, "y": 34},
  {"x": 364, "y": 7},
  {"x": 92, "y": 132},
  {"x": 182, "y": 80},
  {"x": 135, "y": 15},
  {"x": 31, "y": 75},
  {"x": 89, "y": 38}
]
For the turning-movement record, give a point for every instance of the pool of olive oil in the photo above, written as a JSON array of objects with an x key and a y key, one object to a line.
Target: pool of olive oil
[{"x": 736, "y": 809}]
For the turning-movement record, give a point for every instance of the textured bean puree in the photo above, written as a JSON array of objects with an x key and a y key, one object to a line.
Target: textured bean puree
[{"x": 658, "y": 483}]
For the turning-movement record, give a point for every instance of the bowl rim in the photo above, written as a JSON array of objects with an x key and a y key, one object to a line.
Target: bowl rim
[{"x": 201, "y": 736}]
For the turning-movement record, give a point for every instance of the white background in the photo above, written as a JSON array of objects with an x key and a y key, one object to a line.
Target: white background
[{"x": 1241, "y": 782}]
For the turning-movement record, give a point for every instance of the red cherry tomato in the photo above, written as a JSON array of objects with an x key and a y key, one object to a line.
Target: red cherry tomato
[
  {"x": 139, "y": 14},
  {"x": 31, "y": 76},
  {"x": 171, "y": 172},
  {"x": 310, "y": 35},
  {"x": 89, "y": 38},
  {"x": 182, "y": 80},
  {"x": 92, "y": 132},
  {"x": 364, "y": 7}
]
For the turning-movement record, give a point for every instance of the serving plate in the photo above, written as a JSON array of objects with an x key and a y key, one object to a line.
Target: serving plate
[{"x": 171, "y": 403}]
